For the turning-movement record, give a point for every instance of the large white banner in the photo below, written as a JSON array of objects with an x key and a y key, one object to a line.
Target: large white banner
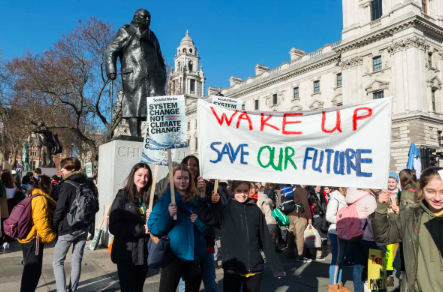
[{"x": 347, "y": 146}]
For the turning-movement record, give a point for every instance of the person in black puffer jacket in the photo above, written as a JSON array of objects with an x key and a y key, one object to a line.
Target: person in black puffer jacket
[
  {"x": 244, "y": 234},
  {"x": 69, "y": 235},
  {"x": 128, "y": 224}
]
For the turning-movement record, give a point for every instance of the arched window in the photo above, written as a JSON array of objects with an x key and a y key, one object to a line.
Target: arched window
[
  {"x": 184, "y": 50},
  {"x": 190, "y": 51},
  {"x": 190, "y": 66}
]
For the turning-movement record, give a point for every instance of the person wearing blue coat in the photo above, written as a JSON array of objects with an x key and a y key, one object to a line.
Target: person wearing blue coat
[{"x": 186, "y": 234}]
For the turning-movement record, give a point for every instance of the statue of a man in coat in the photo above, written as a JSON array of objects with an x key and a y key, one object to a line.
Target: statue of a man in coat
[{"x": 143, "y": 68}]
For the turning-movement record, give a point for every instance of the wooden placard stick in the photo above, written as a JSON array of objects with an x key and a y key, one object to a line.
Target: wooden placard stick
[
  {"x": 154, "y": 182},
  {"x": 216, "y": 186},
  {"x": 171, "y": 180}
]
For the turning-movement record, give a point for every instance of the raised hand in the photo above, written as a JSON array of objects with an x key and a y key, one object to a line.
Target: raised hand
[
  {"x": 384, "y": 197},
  {"x": 201, "y": 184},
  {"x": 172, "y": 209},
  {"x": 193, "y": 217},
  {"x": 215, "y": 198}
]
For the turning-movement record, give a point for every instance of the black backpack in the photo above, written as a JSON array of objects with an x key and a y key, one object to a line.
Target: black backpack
[{"x": 83, "y": 208}]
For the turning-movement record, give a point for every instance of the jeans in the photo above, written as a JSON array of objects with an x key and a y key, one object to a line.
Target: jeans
[
  {"x": 131, "y": 277},
  {"x": 349, "y": 257},
  {"x": 234, "y": 282},
  {"x": 78, "y": 240},
  {"x": 361, "y": 255},
  {"x": 338, "y": 248},
  {"x": 208, "y": 274},
  {"x": 32, "y": 266}
]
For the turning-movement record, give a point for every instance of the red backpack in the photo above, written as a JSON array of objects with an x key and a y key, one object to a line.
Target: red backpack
[
  {"x": 348, "y": 223},
  {"x": 19, "y": 222}
]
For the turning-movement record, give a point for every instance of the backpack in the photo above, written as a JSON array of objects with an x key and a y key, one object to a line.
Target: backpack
[
  {"x": 19, "y": 222},
  {"x": 288, "y": 205},
  {"x": 348, "y": 223},
  {"x": 83, "y": 208}
]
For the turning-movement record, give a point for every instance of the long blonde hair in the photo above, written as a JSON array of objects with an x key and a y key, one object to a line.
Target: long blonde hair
[{"x": 191, "y": 193}]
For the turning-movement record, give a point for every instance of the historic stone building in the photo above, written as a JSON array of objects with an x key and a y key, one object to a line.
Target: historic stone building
[
  {"x": 187, "y": 79},
  {"x": 388, "y": 48}
]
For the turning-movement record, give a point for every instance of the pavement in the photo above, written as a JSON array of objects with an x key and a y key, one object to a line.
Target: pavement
[{"x": 100, "y": 274}]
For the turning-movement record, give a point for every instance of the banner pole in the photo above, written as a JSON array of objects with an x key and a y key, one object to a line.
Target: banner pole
[
  {"x": 171, "y": 180},
  {"x": 154, "y": 182},
  {"x": 216, "y": 186}
]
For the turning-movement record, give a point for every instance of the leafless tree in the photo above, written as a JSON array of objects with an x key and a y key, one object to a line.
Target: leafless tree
[{"x": 68, "y": 84}]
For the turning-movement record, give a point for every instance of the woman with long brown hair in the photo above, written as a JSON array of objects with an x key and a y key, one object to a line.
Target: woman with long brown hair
[
  {"x": 127, "y": 222},
  {"x": 418, "y": 227},
  {"x": 186, "y": 234}
]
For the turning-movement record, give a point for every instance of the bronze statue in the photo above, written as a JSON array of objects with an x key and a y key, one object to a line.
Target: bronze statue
[
  {"x": 143, "y": 68},
  {"x": 49, "y": 144},
  {"x": 25, "y": 158}
]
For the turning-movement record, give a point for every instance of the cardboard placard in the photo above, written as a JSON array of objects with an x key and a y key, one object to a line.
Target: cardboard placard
[{"x": 376, "y": 270}]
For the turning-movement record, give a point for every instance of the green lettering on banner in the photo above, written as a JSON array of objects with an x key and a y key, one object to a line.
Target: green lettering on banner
[{"x": 288, "y": 153}]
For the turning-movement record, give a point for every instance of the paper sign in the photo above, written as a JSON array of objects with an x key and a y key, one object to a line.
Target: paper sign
[
  {"x": 88, "y": 167},
  {"x": 346, "y": 146},
  {"x": 390, "y": 256},
  {"x": 227, "y": 102},
  {"x": 376, "y": 270},
  {"x": 165, "y": 128}
]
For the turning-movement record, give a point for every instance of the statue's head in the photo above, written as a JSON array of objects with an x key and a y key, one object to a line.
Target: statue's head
[
  {"x": 143, "y": 18},
  {"x": 41, "y": 123}
]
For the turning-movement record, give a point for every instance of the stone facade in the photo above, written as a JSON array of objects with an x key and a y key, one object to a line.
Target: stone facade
[
  {"x": 185, "y": 78},
  {"x": 397, "y": 52}
]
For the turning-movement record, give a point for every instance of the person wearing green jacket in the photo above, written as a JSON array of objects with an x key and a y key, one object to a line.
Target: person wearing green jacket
[
  {"x": 420, "y": 228},
  {"x": 408, "y": 181}
]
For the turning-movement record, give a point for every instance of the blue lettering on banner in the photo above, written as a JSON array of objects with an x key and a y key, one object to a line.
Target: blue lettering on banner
[
  {"x": 228, "y": 150},
  {"x": 318, "y": 168},
  {"x": 351, "y": 160},
  {"x": 359, "y": 161},
  {"x": 328, "y": 165}
]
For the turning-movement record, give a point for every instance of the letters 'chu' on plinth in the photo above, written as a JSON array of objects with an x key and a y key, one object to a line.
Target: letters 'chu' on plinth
[{"x": 116, "y": 159}]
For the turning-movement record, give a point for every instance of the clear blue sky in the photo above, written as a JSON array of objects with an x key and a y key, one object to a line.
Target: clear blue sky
[{"x": 231, "y": 36}]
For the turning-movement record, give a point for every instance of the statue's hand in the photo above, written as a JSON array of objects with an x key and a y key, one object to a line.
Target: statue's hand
[{"x": 112, "y": 76}]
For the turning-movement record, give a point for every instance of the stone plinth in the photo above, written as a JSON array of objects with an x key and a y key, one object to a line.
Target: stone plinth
[
  {"x": 116, "y": 159},
  {"x": 49, "y": 171}
]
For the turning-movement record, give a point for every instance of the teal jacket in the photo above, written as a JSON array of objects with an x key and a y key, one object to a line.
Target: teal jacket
[{"x": 186, "y": 238}]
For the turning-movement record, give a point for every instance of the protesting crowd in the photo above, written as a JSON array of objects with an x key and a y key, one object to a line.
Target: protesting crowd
[{"x": 230, "y": 227}]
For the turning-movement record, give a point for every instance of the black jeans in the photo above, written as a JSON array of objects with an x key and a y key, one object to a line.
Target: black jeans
[
  {"x": 131, "y": 277},
  {"x": 32, "y": 266},
  {"x": 171, "y": 274},
  {"x": 233, "y": 283}
]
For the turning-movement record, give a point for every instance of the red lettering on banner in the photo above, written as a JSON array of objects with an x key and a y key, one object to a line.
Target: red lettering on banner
[
  {"x": 356, "y": 117},
  {"x": 337, "y": 125},
  {"x": 264, "y": 123},
  {"x": 244, "y": 116},
  {"x": 291, "y": 122},
  {"x": 224, "y": 117}
]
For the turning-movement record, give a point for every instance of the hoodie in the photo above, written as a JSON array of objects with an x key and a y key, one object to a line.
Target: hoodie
[
  {"x": 430, "y": 261},
  {"x": 336, "y": 202},
  {"x": 365, "y": 207}
]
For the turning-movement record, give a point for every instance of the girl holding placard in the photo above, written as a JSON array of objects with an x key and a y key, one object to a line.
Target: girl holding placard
[
  {"x": 127, "y": 222},
  {"x": 419, "y": 227},
  {"x": 244, "y": 234},
  {"x": 186, "y": 234}
]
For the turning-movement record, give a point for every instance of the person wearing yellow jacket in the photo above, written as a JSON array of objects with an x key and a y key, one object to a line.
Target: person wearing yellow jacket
[{"x": 41, "y": 233}]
